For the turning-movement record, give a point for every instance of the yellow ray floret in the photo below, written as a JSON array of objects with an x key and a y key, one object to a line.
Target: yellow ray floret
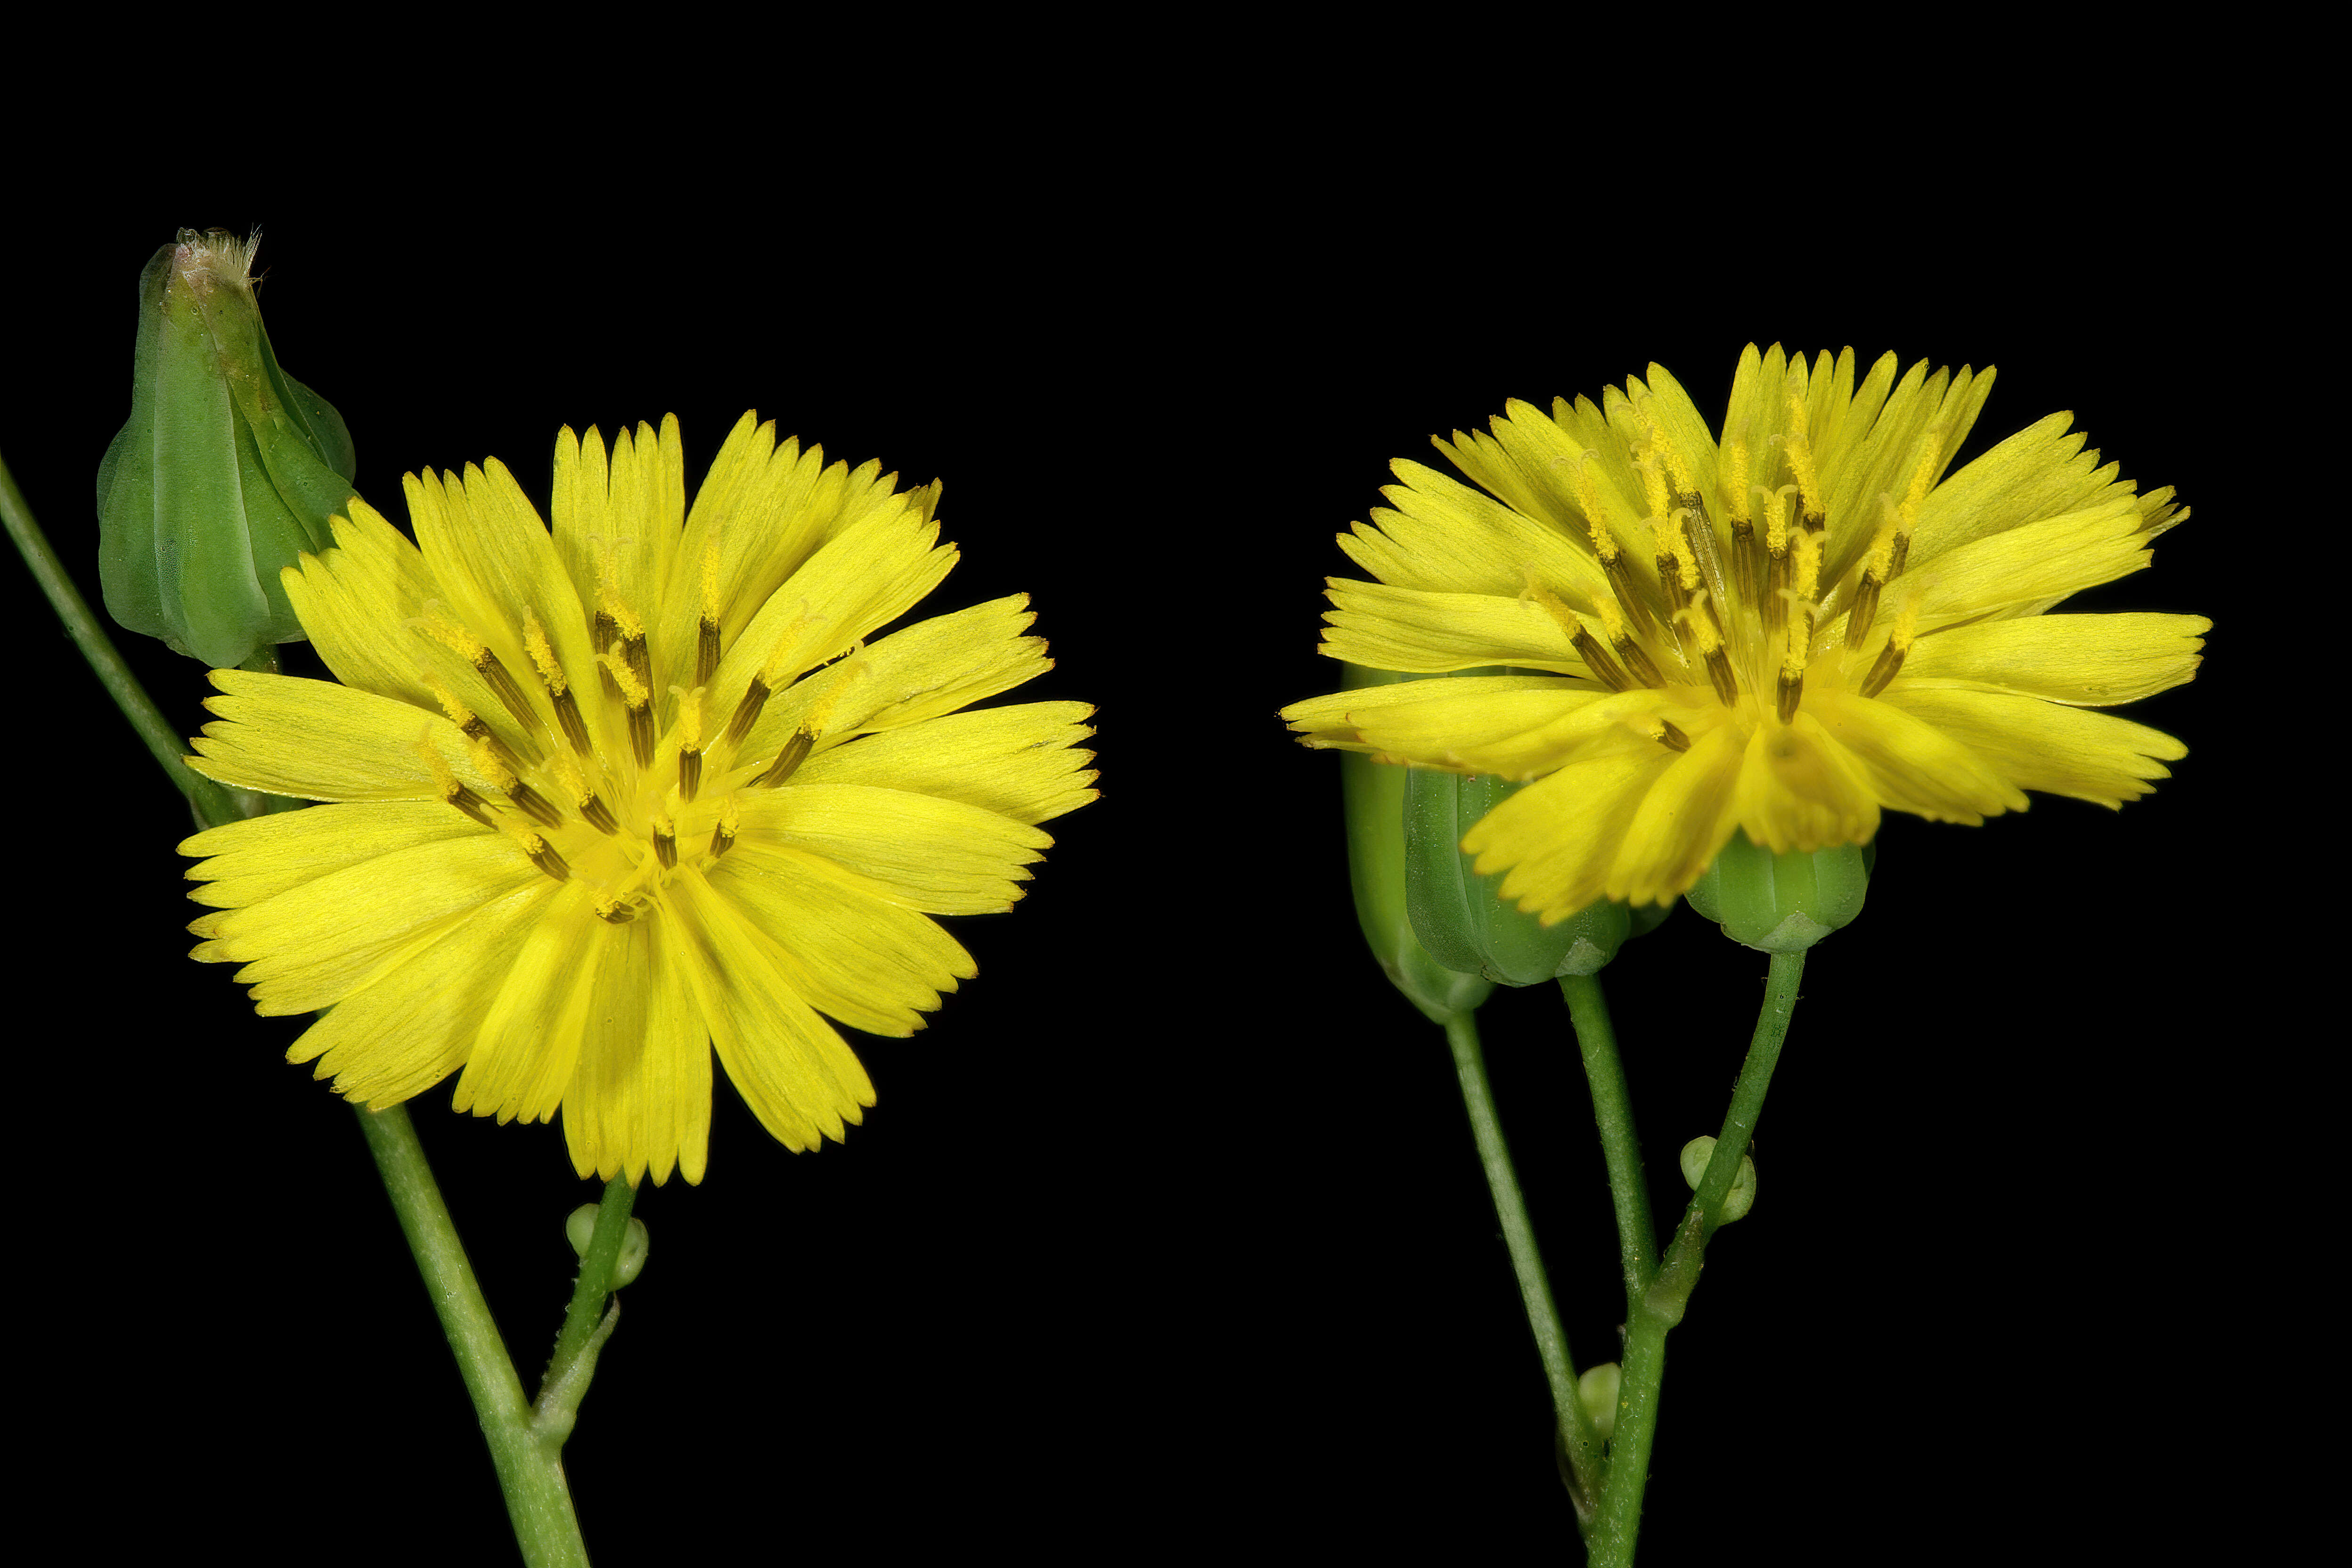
[
  {"x": 611, "y": 796},
  {"x": 1783, "y": 633}
]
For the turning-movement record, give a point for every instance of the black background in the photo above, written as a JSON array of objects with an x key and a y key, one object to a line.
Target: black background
[{"x": 1170, "y": 1228}]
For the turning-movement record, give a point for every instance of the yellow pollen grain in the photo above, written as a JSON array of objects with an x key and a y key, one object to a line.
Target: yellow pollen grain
[
  {"x": 774, "y": 673},
  {"x": 449, "y": 633},
  {"x": 1588, "y": 500},
  {"x": 1776, "y": 517},
  {"x": 1733, "y": 480},
  {"x": 1880, "y": 561},
  {"x": 459, "y": 714},
  {"x": 1799, "y": 447},
  {"x": 1662, "y": 443},
  {"x": 690, "y": 718},
  {"x": 711, "y": 578},
  {"x": 1807, "y": 585},
  {"x": 722, "y": 837},
  {"x": 625, "y": 619},
  {"x": 1653, "y": 484},
  {"x": 1705, "y": 640},
  {"x": 543, "y": 654},
  {"x": 820, "y": 713},
  {"x": 1923, "y": 473},
  {"x": 633, "y": 691},
  {"x": 488, "y": 763}
]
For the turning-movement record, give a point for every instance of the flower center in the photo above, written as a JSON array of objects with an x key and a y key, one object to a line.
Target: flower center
[
  {"x": 589, "y": 781},
  {"x": 1753, "y": 606}
]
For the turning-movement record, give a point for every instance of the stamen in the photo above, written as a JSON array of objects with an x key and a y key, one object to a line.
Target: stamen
[
  {"x": 1798, "y": 443},
  {"x": 722, "y": 837},
  {"x": 550, "y": 676},
  {"x": 689, "y": 742},
  {"x": 544, "y": 856},
  {"x": 453, "y": 791},
  {"x": 1790, "y": 685},
  {"x": 706, "y": 642},
  {"x": 535, "y": 805},
  {"x": 1589, "y": 647},
  {"x": 1629, "y": 650},
  {"x": 1613, "y": 564},
  {"x": 747, "y": 713},
  {"x": 1707, "y": 637},
  {"x": 583, "y": 794},
  {"x": 1670, "y": 737},
  {"x": 452, "y": 635},
  {"x": 1898, "y": 642},
  {"x": 612, "y": 912},
  {"x": 1732, "y": 475},
  {"x": 470, "y": 722},
  {"x": 638, "y": 695},
  {"x": 788, "y": 761},
  {"x": 665, "y": 840},
  {"x": 1776, "y": 559},
  {"x": 1876, "y": 568}
]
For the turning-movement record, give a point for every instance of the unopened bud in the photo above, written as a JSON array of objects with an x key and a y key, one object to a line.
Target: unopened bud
[
  {"x": 1742, "y": 1196},
  {"x": 581, "y": 1229},
  {"x": 226, "y": 472},
  {"x": 1782, "y": 903}
]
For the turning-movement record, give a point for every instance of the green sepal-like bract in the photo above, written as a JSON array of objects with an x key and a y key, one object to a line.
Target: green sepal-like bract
[
  {"x": 226, "y": 472},
  {"x": 1464, "y": 920},
  {"x": 1374, "y": 793},
  {"x": 1782, "y": 903}
]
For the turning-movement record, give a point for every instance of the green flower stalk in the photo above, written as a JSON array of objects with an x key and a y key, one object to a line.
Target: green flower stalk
[{"x": 226, "y": 472}]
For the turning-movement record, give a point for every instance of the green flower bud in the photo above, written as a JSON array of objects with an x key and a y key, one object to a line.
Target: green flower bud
[
  {"x": 1782, "y": 903},
  {"x": 227, "y": 470},
  {"x": 1374, "y": 795},
  {"x": 1742, "y": 1196},
  {"x": 1597, "y": 1390},
  {"x": 1459, "y": 915},
  {"x": 581, "y": 1228}
]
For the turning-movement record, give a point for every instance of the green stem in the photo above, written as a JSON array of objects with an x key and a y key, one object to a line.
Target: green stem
[
  {"x": 1612, "y": 1109},
  {"x": 1580, "y": 1442},
  {"x": 1611, "y": 1535},
  {"x": 210, "y": 802},
  {"x": 1679, "y": 1274},
  {"x": 586, "y": 1323},
  {"x": 531, "y": 1471}
]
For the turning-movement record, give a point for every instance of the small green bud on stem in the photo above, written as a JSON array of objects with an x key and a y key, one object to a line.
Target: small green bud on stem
[
  {"x": 1742, "y": 1196},
  {"x": 582, "y": 1227}
]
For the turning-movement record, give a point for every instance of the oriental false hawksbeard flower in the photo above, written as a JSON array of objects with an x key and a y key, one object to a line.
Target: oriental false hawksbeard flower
[
  {"x": 606, "y": 798},
  {"x": 1783, "y": 632}
]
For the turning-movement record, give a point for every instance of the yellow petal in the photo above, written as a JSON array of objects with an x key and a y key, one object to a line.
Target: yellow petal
[
  {"x": 1415, "y": 630},
  {"x": 1557, "y": 838},
  {"x": 2045, "y": 746},
  {"x": 416, "y": 1025},
  {"x": 942, "y": 856},
  {"x": 791, "y": 1068},
  {"x": 639, "y": 1101},
  {"x": 286, "y": 735},
  {"x": 847, "y": 952},
  {"x": 1022, "y": 760},
  {"x": 2088, "y": 660}
]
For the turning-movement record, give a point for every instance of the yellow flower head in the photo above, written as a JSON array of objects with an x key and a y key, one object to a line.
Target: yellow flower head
[
  {"x": 1784, "y": 631},
  {"x": 607, "y": 797}
]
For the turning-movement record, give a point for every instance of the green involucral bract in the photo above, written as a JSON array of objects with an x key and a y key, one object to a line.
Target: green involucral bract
[
  {"x": 1782, "y": 903},
  {"x": 1374, "y": 793},
  {"x": 1463, "y": 920},
  {"x": 226, "y": 472}
]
